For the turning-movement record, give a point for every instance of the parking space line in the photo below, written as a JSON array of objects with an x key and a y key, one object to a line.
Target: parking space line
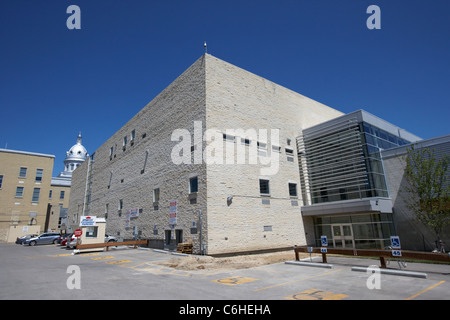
[
  {"x": 302, "y": 279},
  {"x": 101, "y": 258},
  {"x": 234, "y": 280},
  {"x": 425, "y": 290},
  {"x": 118, "y": 261}
]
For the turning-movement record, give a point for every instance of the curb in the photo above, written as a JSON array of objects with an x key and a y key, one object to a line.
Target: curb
[
  {"x": 310, "y": 264},
  {"x": 394, "y": 272}
]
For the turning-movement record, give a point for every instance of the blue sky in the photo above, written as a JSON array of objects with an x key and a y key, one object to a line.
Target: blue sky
[{"x": 55, "y": 82}]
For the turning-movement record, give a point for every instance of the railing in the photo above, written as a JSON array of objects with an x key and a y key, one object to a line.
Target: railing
[
  {"x": 382, "y": 254},
  {"x": 111, "y": 244}
]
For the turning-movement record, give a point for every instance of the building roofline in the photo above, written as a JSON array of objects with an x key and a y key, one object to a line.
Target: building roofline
[
  {"x": 401, "y": 150},
  {"x": 28, "y": 153}
]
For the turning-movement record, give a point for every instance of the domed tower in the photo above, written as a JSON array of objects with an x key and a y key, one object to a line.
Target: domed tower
[{"x": 74, "y": 157}]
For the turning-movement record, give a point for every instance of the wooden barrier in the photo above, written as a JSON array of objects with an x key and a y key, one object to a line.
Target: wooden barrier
[
  {"x": 111, "y": 244},
  {"x": 382, "y": 254}
]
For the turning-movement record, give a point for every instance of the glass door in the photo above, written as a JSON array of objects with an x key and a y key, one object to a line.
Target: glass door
[{"x": 343, "y": 236}]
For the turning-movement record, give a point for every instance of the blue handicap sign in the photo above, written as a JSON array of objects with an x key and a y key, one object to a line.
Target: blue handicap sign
[
  {"x": 324, "y": 241},
  {"x": 395, "y": 242}
]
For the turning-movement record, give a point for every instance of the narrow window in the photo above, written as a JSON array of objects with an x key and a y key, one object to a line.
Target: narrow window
[
  {"x": 264, "y": 186},
  {"x": 23, "y": 172},
  {"x": 1, "y": 181},
  {"x": 120, "y": 204},
  {"x": 156, "y": 195},
  {"x": 62, "y": 194},
  {"x": 50, "y": 194},
  {"x": 133, "y": 135},
  {"x": 293, "y": 189},
  {"x": 19, "y": 192},
  {"x": 193, "y": 185},
  {"x": 39, "y": 173},
  {"x": 36, "y": 193}
]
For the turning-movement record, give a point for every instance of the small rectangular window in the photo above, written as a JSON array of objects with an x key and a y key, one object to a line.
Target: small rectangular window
[
  {"x": 228, "y": 137},
  {"x": 23, "y": 172},
  {"x": 276, "y": 148},
  {"x": 111, "y": 151},
  {"x": 264, "y": 187},
  {"x": 262, "y": 145},
  {"x": 19, "y": 192},
  {"x": 292, "y": 189},
  {"x": 1, "y": 181},
  {"x": 120, "y": 204},
  {"x": 133, "y": 135},
  {"x": 193, "y": 185},
  {"x": 245, "y": 141},
  {"x": 289, "y": 151},
  {"x": 50, "y": 194},
  {"x": 39, "y": 174},
  {"x": 91, "y": 232},
  {"x": 36, "y": 193},
  {"x": 125, "y": 141},
  {"x": 156, "y": 195},
  {"x": 61, "y": 194}
]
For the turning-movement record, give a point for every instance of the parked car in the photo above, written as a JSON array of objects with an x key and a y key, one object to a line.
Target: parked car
[
  {"x": 20, "y": 240},
  {"x": 110, "y": 238},
  {"x": 64, "y": 238},
  {"x": 71, "y": 242},
  {"x": 44, "y": 238}
]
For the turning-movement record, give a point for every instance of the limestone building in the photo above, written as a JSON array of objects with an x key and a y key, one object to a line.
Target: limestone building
[{"x": 211, "y": 159}]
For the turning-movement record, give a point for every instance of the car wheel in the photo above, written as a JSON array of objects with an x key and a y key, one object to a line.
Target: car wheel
[
  {"x": 32, "y": 243},
  {"x": 55, "y": 241}
]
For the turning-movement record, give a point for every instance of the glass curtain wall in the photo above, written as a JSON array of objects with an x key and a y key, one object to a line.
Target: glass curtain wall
[{"x": 369, "y": 231}]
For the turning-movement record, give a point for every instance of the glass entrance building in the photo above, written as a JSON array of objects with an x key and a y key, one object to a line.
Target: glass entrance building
[{"x": 344, "y": 188}]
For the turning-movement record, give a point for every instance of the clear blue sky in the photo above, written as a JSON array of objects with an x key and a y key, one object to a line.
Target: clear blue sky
[{"x": 55, "y": 82}]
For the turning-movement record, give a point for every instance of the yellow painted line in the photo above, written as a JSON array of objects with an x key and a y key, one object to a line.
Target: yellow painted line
[
  {"x": 423, "y": 291},
  {"x": 118, "y": 261},
  {"x": 234, "y": 280},
  {"x": 89, "y": 254},
  {"x": 60, "y": 255},
  {"x": 302, "y": 279},
  {"x": 101, "y": 258}
]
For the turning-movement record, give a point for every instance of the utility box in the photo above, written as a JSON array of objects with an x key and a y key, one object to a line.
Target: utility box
[{"x": 93, "y": 231}]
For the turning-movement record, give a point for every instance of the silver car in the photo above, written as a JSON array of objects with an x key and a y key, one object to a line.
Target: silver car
[{"x": 44, "y": 238}]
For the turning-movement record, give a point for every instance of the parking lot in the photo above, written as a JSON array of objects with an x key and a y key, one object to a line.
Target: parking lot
[{"x": 131, "y": 274}]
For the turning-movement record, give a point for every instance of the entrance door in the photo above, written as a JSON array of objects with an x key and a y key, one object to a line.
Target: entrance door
[
  {"x": 179, "y": 236},
  {"x": 343, "y": 236}
]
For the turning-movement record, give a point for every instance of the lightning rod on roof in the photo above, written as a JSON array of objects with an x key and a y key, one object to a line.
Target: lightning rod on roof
[{"x": 206, "y": 49}]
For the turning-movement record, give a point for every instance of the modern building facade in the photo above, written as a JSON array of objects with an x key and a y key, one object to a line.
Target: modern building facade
[{"x": 343, "y": 179}]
